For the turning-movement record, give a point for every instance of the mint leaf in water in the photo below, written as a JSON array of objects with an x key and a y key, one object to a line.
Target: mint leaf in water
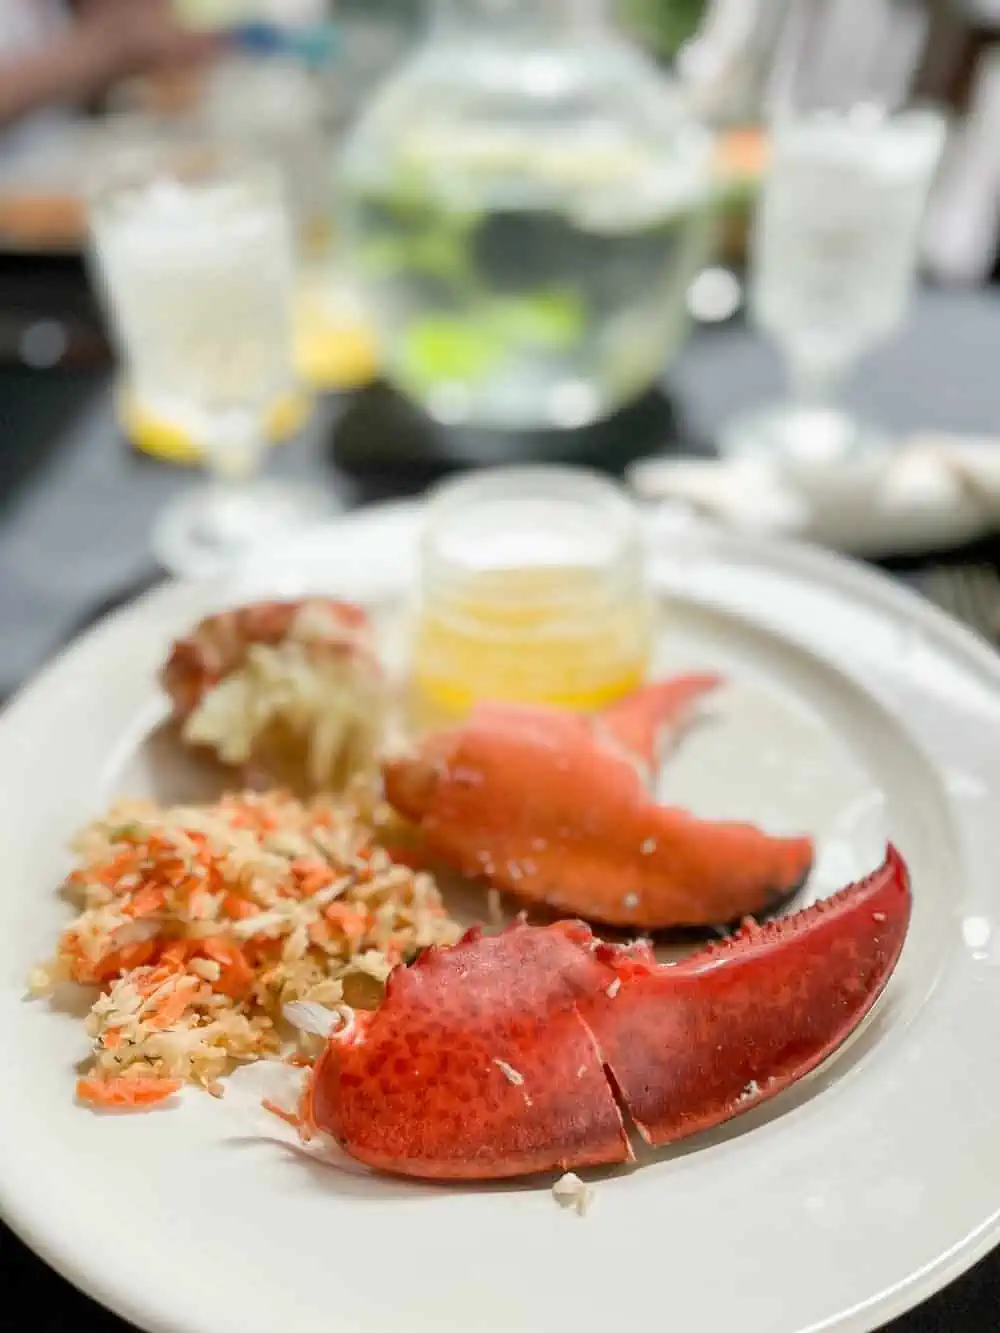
[
  {"x": 444, "y": 347},
  {"x": 551, "y": 318}
]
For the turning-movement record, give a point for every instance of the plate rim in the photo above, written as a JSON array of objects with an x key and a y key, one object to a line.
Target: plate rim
[{"x": 849, "y": 576}]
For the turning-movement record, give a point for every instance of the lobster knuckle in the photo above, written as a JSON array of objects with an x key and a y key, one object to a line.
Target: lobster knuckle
[
  {"x": 220, "y": 644},
  {"x": 287, "y": 693}
]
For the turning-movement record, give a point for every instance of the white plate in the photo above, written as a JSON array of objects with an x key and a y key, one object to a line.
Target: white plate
[{"x": 856, "y": 711}]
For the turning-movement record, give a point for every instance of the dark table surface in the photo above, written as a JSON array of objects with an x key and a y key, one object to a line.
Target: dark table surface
[{"x": 76, "y": 505}]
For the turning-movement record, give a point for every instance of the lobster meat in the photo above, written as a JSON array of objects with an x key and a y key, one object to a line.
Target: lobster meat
[
  {"x": 556, "y": 808},
  {"x": 519, "y": 1052},
  {"x": 220, "y": 644},
  {"x": 291, "y": 690}
]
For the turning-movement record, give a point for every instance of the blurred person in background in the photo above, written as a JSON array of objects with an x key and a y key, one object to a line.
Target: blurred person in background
[{"x": 56, "y": 54}]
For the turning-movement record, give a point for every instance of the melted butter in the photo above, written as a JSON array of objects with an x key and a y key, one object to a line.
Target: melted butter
[{"x": 559, "y": 635}]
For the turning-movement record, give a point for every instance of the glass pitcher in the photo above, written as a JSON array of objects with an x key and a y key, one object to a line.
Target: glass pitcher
[{"x": 527, "y": 202}]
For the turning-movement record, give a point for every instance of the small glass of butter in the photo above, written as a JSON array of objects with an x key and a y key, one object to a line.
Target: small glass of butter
[{"x": 531, "y": 590}]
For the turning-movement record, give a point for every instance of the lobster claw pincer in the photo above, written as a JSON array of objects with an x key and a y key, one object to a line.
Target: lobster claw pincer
[
  {"x": 519, "y": 1052},
  {"x": 556, "y": 808}
]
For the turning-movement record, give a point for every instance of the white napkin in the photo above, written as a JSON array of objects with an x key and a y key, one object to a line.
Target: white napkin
[{"x": 929, "y": 493}]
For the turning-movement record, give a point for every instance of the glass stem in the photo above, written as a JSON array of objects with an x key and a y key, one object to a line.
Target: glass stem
[
  {"x": 814, "y": 384},
  {"x": 233, "y": 457}
]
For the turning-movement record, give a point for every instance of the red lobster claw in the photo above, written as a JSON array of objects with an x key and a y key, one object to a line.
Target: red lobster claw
[
  {"x": 555, "y": 808},
  {"x": 517, "y": 1052}
]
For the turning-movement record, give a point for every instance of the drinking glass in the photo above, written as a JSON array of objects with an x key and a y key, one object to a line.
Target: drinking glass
[
  {"x": 834, "y": 256},
  {"x": 193, "y": 250}
]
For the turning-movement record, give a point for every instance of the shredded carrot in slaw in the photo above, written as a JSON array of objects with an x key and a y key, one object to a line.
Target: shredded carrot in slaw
[
  {"x": 199, "y": 923},
  {"x": 126, "y": 1094}
]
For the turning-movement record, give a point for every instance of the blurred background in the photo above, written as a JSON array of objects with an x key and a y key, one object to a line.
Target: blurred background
[
  {"x": 595, "y": 232},
  {"x": 727, "y": 54}
]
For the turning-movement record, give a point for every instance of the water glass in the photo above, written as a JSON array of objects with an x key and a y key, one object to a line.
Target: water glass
[
  {"x": 193, "y": 250},
  {"x": 834, "y": 257}
]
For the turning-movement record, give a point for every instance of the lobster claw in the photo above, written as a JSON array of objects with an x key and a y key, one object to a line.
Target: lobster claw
[
  {"x": 555, "y": 808},
  {"x": 518, "y": 1052}
]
